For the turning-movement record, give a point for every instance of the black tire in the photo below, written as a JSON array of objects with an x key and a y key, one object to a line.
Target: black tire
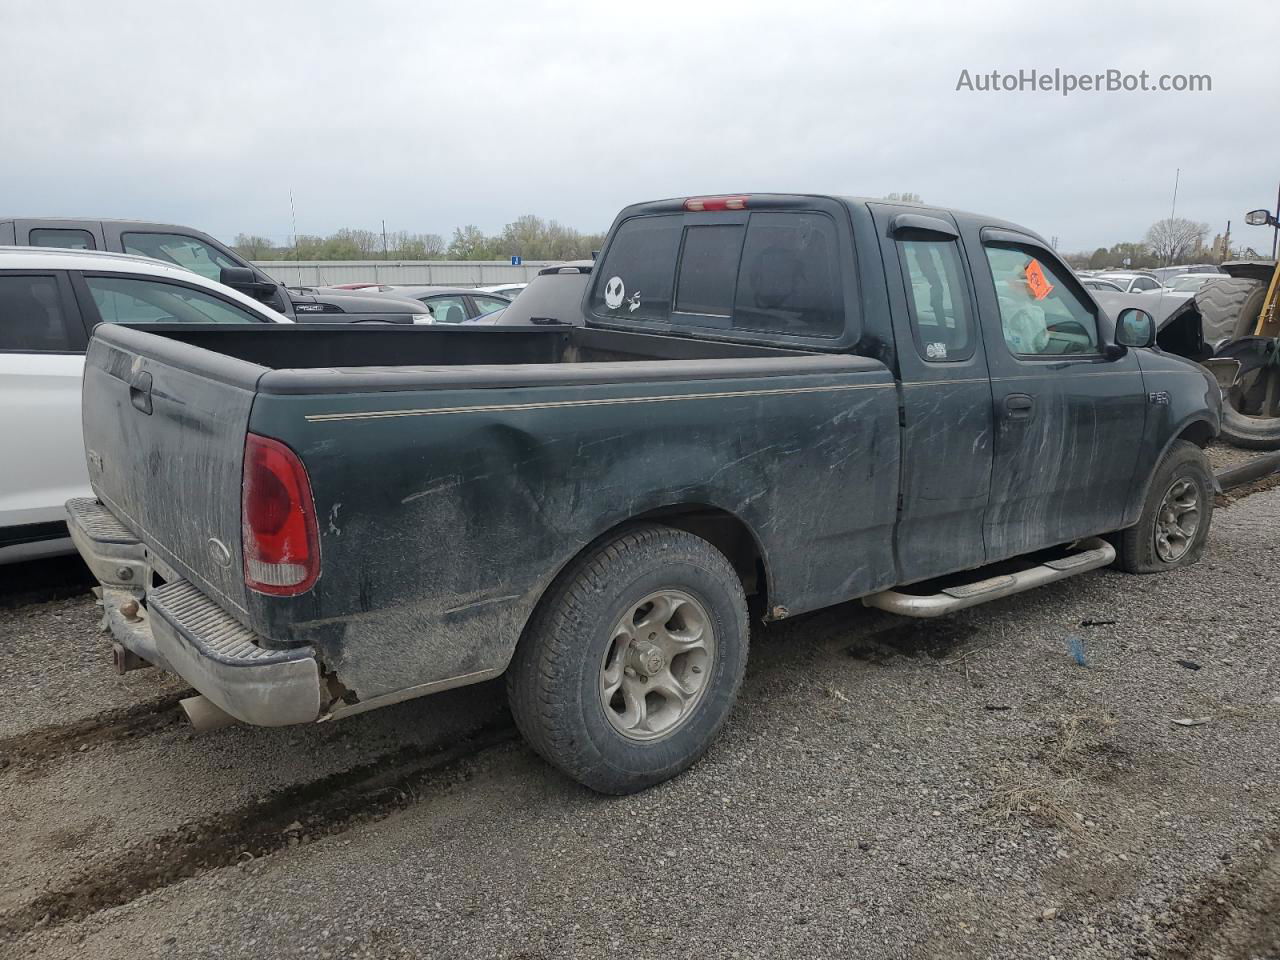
[
  {"x": 1136, "y": 547},
  {"x": 1229, "y": 308},
  {"x": 553, "y": 683},
  {"x": 1249, "y": 433}
]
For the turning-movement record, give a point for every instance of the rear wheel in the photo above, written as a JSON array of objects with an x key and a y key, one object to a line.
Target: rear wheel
[
  {"x": 629, "y": 668},
  {"x": 1175, "y": 520}
]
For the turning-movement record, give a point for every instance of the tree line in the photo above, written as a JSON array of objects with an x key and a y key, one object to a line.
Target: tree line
[
  {"x": 529, "y": 237},
  {"x": 1168, "y": 242}
]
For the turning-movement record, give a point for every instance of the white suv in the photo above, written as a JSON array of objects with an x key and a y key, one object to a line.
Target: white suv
[{"x": 50, "y": 301}]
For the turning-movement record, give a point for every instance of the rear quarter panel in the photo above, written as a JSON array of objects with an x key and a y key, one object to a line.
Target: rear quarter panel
[{"x": 445, "y": 514}]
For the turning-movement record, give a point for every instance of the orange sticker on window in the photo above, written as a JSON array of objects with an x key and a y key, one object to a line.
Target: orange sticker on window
[{"x": 1037, "y": 281}]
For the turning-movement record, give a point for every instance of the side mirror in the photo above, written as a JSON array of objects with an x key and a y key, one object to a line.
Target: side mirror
[
  {"x": 1259, "y": 218},
  {"x": 243, "y": 279},
  {"x": 1135, "y": 328}
]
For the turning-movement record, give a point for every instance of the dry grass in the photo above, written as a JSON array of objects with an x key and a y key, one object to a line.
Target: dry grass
[{"x": 1078, "y": 750}]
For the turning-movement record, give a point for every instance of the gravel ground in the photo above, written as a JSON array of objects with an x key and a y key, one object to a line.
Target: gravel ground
[{"x": 885, "y": 788}]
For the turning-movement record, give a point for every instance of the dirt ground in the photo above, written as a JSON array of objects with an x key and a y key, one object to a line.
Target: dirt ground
[{"x": 885, "y": 788}]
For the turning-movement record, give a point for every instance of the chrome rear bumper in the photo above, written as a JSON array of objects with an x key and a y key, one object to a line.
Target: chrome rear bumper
[{"x": 175, "y": 626}]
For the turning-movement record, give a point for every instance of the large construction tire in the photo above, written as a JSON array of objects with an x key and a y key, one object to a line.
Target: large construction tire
[{"x": 1229, "y": 308}]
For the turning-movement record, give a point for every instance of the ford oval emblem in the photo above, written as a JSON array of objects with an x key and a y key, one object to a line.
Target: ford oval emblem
[{"x": 220, "y": 552}]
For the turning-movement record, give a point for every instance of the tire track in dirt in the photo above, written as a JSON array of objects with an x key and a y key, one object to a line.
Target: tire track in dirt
[
  {"x": 39, "y": 747},
  {"x": 289, "y": 817},
  {"x": 1237, "y": 914}
]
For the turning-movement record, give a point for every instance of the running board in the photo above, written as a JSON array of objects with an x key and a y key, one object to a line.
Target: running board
[{"x": 1089, "y": 555}]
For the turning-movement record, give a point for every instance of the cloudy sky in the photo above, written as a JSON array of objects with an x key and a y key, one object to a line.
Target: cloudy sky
[{"x": 430, "y": 115}]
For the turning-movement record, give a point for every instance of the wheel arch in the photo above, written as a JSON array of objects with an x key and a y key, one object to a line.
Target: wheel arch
[
  {"x": 1197, "y": 429},
  {"x": 722, "y": 528}
]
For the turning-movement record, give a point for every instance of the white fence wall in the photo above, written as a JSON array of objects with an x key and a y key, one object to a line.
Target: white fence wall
[{"x": 452, "y": 273}]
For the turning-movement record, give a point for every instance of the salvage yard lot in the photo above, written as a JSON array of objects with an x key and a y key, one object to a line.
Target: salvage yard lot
[{"x": 885, "y": 788}]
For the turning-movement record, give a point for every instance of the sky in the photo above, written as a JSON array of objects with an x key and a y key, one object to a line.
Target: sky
[{"x": 430, "y": 115}]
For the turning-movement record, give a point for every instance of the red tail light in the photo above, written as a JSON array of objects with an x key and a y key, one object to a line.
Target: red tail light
[
  {"x": 278, "y": 518},
  {"x": 700, "y": 204}
]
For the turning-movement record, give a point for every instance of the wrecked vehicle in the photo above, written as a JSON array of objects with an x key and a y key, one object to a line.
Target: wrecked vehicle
[{"x": 778, "y": 403}]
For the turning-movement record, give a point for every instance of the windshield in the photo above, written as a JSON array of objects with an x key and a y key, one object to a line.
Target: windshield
[{"x": 1187, "y": 283}]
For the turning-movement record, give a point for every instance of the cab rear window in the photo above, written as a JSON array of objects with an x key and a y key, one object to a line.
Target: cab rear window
[{"x": 763, "y": 272}]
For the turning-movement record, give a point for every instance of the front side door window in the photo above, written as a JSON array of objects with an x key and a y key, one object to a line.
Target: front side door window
[
  {"x": 1040, "y": 315},
  {"x": 136, "y": 300},
  {"x": 190, "y": 252}
]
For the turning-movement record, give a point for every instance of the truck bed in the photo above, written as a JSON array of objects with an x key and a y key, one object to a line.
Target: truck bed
[
  {"x": 454, "y": 471},
  {"x": 387, "y": 357}
]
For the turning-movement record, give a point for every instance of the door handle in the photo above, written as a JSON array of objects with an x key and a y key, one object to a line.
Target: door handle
[
  {"x": 1019, "y": 406},
  {"x": 140, "y": 392}
]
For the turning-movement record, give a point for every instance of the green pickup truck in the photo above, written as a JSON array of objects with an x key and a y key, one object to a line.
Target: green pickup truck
[{"x": 777, "y": 403}]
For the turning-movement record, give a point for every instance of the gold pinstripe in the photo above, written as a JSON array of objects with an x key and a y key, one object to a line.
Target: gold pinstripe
[{"x": 601, "y": 401}]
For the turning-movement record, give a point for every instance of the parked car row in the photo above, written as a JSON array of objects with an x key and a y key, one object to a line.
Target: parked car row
[
  {"x": 204, "y": 255},
  {"x": 50, "y": 301},
  {"x": 61, "y": 278}
]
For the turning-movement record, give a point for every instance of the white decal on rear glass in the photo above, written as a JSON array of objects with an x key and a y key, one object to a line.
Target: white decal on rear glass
[
  {"x": 634, "y": 300},
  {"x": 935, "y": 351},
  {"x": 613, "y": 293}
]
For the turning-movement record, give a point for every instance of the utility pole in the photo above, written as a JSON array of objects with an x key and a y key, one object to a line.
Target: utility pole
[
  {"x": 1226, "y": 242},
  {"x": 1177, "y": 175},
  {"x": 385, "y": 255}
]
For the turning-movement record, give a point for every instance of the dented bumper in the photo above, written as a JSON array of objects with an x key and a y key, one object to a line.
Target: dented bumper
[{"x": 175, "y": 626}]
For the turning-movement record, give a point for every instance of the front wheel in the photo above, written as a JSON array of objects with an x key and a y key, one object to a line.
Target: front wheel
[
  {"x": 1174, "y": 525},
  {"x": 630, "y": 665}
]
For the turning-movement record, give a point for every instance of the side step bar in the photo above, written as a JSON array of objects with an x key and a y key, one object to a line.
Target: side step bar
[{"x": 1089, "y": 555}]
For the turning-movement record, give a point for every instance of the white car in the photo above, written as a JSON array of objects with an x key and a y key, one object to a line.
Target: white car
[
  {"x": 50, "y": 301},
  {"x": 1131, "y": 282},
  {"x": 1188, "y": 283}
]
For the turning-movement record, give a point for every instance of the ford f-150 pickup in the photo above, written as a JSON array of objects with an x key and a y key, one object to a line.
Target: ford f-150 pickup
[{"x": 778, "y": 403}]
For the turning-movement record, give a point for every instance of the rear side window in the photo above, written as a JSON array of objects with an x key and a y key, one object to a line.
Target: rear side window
[
  {"x": 1040, "y": 314},
  {"x": 196, "y": 255},
  {"x": 66, "y": 239},
  {"x": 639, "y": 269},
  {"x": 489, "y": 304},
  {"x": 32, "y": 318},
  {"x": 789, "y": 279},
  {"x": 134, "y": 300},
  {"x": 941, "y": 322}
]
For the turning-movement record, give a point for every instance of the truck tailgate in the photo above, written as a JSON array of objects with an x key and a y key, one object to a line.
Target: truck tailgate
[{"x": 164, "y": 433}]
